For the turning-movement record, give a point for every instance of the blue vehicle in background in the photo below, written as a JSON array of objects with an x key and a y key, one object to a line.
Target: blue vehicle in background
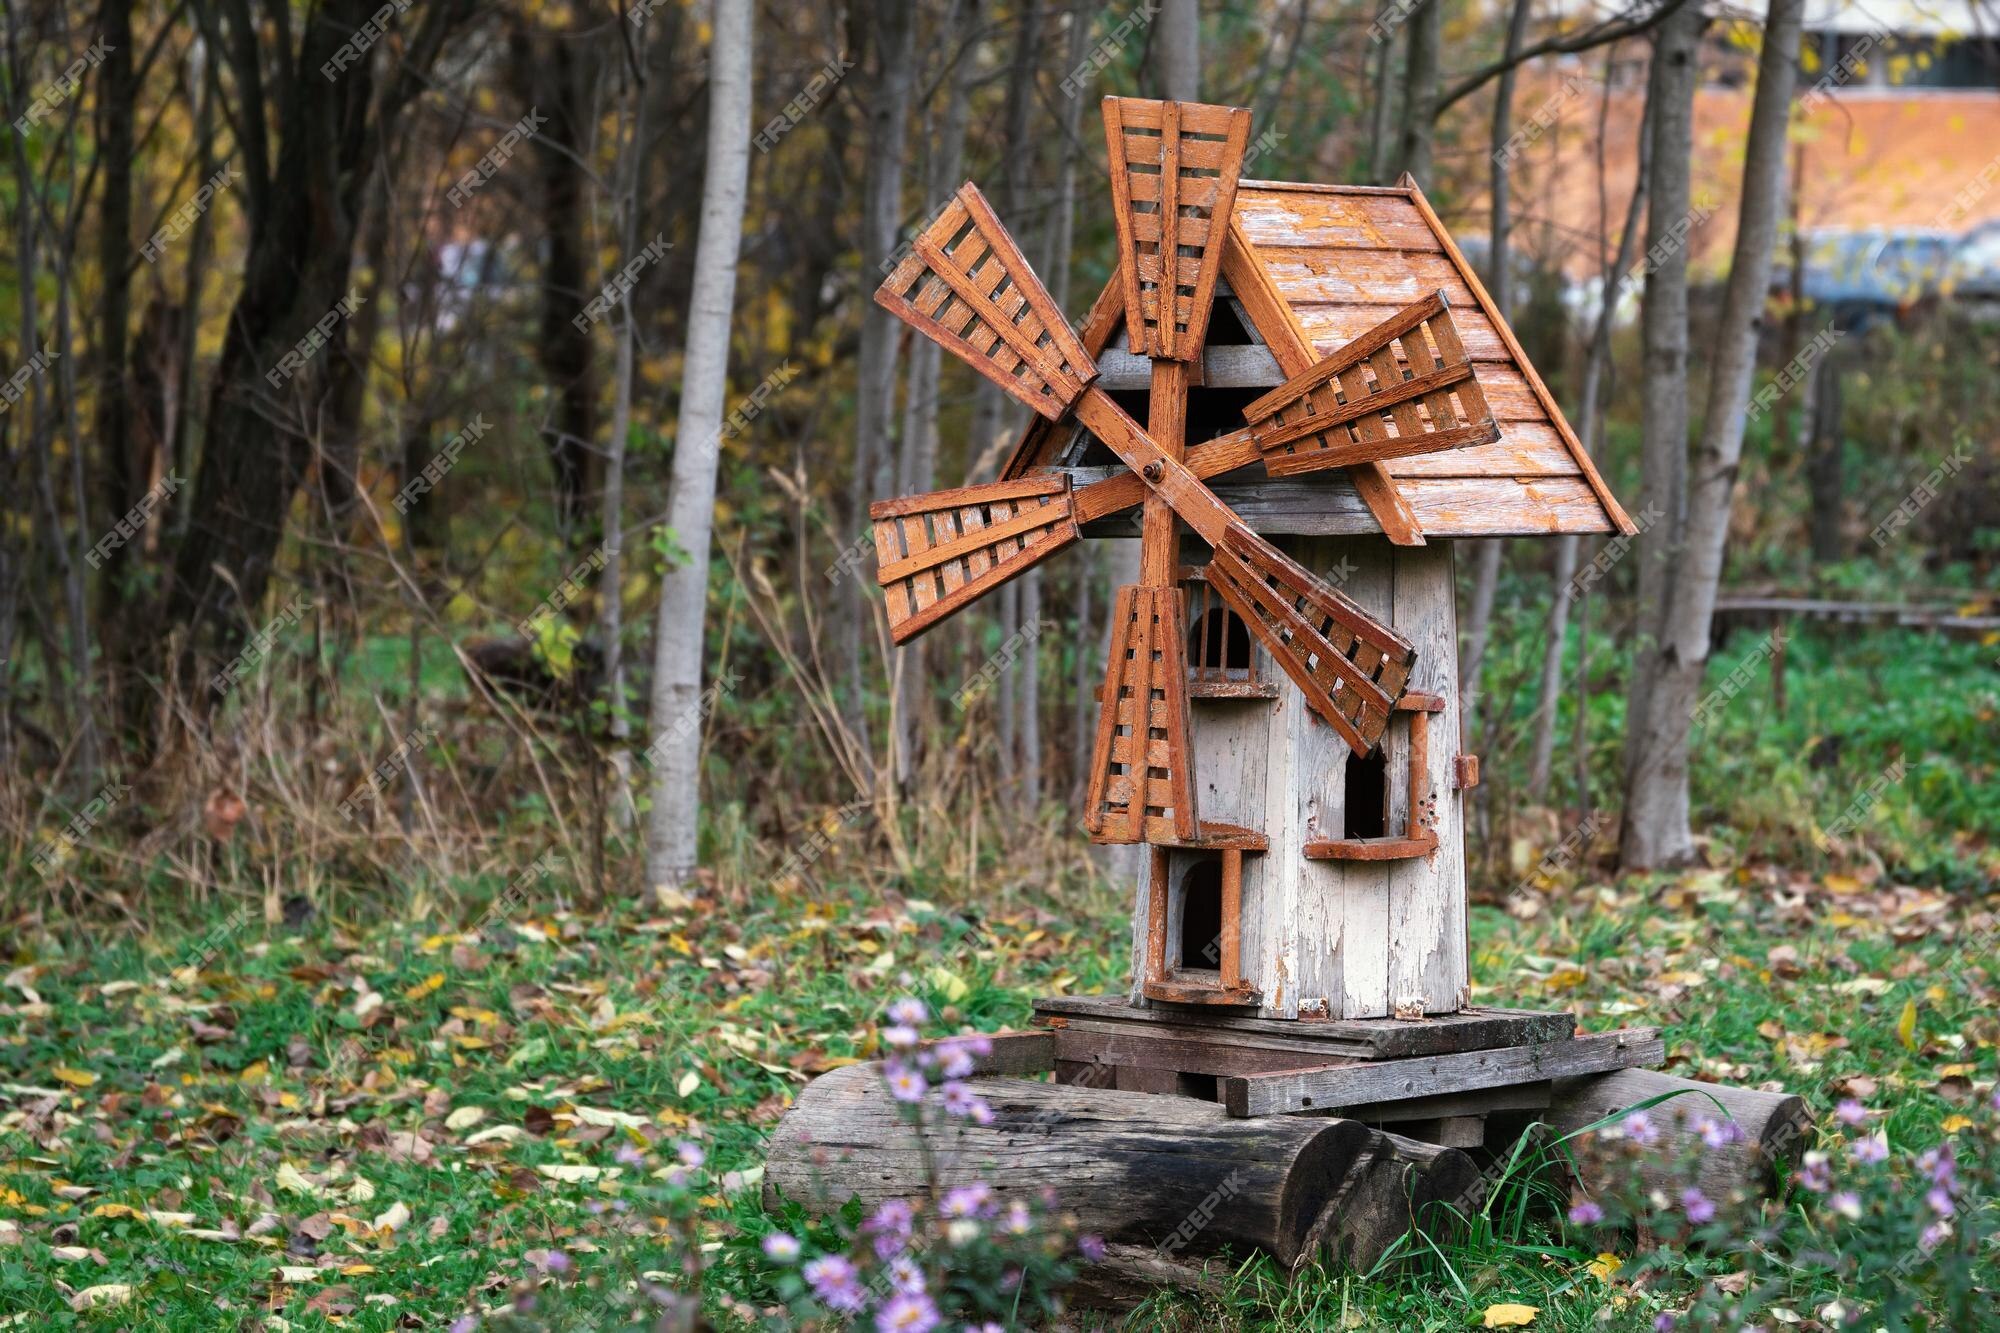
[{"x": 1864, "y": 277}]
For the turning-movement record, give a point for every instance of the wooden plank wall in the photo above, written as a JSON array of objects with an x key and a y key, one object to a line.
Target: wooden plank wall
[{"x": 1350, "y": 939}]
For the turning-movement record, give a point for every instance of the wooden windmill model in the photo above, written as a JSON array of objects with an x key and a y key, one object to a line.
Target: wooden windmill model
[
  {"x": 1286, "y": 747},
  {"x": 1403, "y": 388}
]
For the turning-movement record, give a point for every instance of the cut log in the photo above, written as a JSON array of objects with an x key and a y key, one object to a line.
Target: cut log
[
  {"x": 1400, "y": 1185},
  {"x": 1774, "y": 1125},
  {"x": 1128, "y": 1274},
  {"x": 1172, "y": 1173}
]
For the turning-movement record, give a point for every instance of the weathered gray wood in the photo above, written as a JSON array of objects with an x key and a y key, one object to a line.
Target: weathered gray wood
[
  {"x": 1137, "y": 1168},
  {"x": 1391, "y": 1080},
  {"x": 1427, "y": 923},
  {"x": 1453, "y": 1105},
  {"x": 1383, "y": 1039},
  {"x": 1775, "y": 1126},
  {"x": 1163, "y": 1044},
  {"x": 1225, "y": 366}
]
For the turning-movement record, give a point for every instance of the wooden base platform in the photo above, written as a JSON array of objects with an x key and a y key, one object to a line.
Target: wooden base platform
[
  {"x": 1387, "y": 1070},
  {"x": 1333, "y": 1139}
]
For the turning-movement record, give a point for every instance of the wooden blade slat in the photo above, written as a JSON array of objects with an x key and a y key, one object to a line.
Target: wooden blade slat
[
  {"x": 967, "y": 286},
  {"x": 1141, "y": 772},
  {"x": 1174, "y": 168},
  {"x": 940, "y": 552},
  {"x": 1360, "y": 405},
  {"x": 1351, "y": 668}
]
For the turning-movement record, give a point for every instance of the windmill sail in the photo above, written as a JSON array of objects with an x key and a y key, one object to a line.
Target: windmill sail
[
  {"x": 968, "y": 286},
  {"x": 1404, "y": 387},
  {"x": 1174, "y": 167}
]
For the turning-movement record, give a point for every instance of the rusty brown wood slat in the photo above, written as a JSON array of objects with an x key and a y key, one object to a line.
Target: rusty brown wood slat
[
  {"x": 1095, "y": 820},
  {"x": 1286, "y": 337},
  {"x": 1361, "y": 349}
]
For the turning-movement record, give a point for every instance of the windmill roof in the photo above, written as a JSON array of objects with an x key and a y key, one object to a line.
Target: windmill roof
[{"x": 1342, "y": 259}]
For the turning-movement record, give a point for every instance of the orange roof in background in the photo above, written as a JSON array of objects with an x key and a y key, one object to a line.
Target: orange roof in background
[{"x": 1873, "y": 158}]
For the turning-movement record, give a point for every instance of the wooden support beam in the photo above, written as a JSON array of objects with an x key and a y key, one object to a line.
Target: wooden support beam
[
  {"x": 1378, "y": 1038},
  {"x": 1389, "y": 1080}
]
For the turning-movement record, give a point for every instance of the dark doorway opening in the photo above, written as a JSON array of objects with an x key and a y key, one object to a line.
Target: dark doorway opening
[
  {"x": 1367, "y": 802},
  {"x": 1201, "y": 915}
]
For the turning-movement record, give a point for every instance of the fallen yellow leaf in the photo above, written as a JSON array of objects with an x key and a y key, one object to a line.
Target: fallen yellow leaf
[
  {"x": 1605, "y": 1265},
  {"x": 1510, "y": 1316},
  {"x": 430, "y": 983},
  {"x": 1906, "y": 1026},
  {"x": 1954, "y": 1123},
  {"x": 76, "y": 1078}
]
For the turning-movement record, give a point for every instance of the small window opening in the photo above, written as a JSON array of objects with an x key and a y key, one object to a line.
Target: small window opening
[
  {"x": 1367, "y": 802},
  {"x": 1201, "y": 915},
  {"x": 1218, "y": 642}
]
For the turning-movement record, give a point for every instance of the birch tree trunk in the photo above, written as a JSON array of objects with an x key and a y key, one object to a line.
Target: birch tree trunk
[
  {"x": 672, "y": 824},
  {"x": 1663, "y": 336},
  {"x": 1657, "y": 830},
  {"x": 1597, "y": 361}
]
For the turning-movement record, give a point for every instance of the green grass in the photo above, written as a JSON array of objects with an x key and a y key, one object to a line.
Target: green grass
[
  {"x": 211, "y": 1093},
  {"x": 196, "y": 1096}
]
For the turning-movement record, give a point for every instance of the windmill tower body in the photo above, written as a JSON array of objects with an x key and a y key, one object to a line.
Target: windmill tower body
[
  {"x": 1330, "y": 401},
  {"x": 1345, "y": 913}
]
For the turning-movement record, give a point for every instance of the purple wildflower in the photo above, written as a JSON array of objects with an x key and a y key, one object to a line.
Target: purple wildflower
[
  {"x": 974, "y": 1200},
  {"x": 1939, "y": 1198},
  {"x": 1850, "y": 1112},
  {"x": 1663, "y": 1323},
  {"x": 956, "y": 1060},
  {"x": 555, "y": 1261},
  {"x": 1017, "y": 1222},
  {"x": 1697, "y": 1205},
  {"x": 1934, "y": 1235},
  {"x": 780, "y": 1248},
  {"x": 465, "y": 1323},
  {"x": 1718, "y": 1133},
  {"x": 907, "y": 1312},
  {"x": 908, "y": 1012},
  {"x": 1814, "y": 1175},
  {"x": 832, "y": 1280},
  {"x": 1090, "y": 1247},
  {"x": 1868, "y": 1151},
  {"x": 893, "y": 1215},
  {"x": 1640, "y": 1129},
  {"x": 629, "y": 1155},
  {"x": 902, "y": 1038},
  {"x": 1940, "y": 1165},
  {"x": 1847, "y": 1203},
  {"x": 905, "y": 1276},
  {"x": 1585, "y": 1214},
  {"x": 958, "y": 1098},
  {"x": 689, "y": 1153},
  {"x": 905, "y": 1083}
]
